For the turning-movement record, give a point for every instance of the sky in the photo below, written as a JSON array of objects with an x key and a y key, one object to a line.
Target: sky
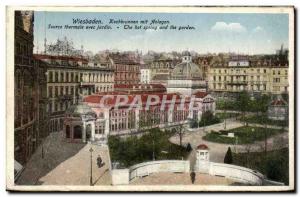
[{"x": 214, "y": 32}]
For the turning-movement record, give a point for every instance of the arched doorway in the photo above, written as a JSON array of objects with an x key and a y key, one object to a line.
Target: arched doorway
[
  {"x": 67, "y": 131},
  {"x": 88, "y": 132},
  {"x": 77, "y": 132}
]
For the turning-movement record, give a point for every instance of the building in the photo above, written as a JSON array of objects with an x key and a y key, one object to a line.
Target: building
[
  {"x": 186, "y": 78},
  {"x": 126, "y": 68},
  {"x": 257, "y": 77},
  {"x": 111, "y": 115},
  {"x": 145, "y": 75},
  {"x": 139, "y": 88},
  {"x": 67, "y": 77},
  {"x": 30, "y": 116},
  {"x": 160, "y": 69},
  {"x": 278, "y": 110}
]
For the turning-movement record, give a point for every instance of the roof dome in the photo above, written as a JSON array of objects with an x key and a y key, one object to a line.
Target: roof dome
[
  {"x": 187, "y": 70},
  {"x": 80, "y": 109},
  {"x": 186, "y": 53},
  {"x": 202, "y": 147}
]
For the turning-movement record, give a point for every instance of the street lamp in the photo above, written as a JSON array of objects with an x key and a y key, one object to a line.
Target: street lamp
[{"x": 91, "y": 175}]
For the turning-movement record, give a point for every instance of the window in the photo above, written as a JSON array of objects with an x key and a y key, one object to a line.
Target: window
[
  {"x": 50, "y": 77},
  {"x": 56, "y": 91},
  {"x": 56, "y": 76},
  {"x": 61, "y": 90},
  {"x": 50, "y": 89},
  {"x": 61, "y": 77},
  {"x": 67, "y": 77}
]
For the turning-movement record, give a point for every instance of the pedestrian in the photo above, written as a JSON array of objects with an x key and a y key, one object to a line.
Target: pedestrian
[
  {"x": 99, "y": 161},
  {"x": 193, "y": 177}
]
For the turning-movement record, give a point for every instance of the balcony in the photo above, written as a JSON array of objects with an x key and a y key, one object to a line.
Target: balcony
[{"x": 236, "y": 83}]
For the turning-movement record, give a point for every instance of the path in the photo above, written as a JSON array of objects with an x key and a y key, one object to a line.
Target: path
[
  {"x": 218, "y": 150},
  {"x": 169, "y": 178},
  {"x": 65, "y": 164}
]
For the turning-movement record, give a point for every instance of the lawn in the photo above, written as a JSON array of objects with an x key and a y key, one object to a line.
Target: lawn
[
  {"x": 242, "y": 135},
  {"x": 259, "y": 119},
  {"x": 274, "y": 164},
  {"x": 133, "y": 150}
]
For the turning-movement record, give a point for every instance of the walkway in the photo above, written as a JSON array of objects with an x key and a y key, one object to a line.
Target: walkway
[
  {"x": 218, "y": 150},
  {"x": 65, "y": 164},
  {"x": 169, "y": 178}
]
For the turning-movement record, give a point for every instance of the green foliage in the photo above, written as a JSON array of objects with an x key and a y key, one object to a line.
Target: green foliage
[
  {"x": 226, "y": 115},
  {"x": 133, "y": 150},
  {"x": 189, "y": 147},
  {"x": 244, "y": 135},
  {"x": 228, "y": 156},
  {"x": 274, "y": 164},
  {"x": 263, "y": 119},
  {"x": 208, "y": 119},
  {"x": 243, "y": 103},
  {"x": 193, "y": 123}
]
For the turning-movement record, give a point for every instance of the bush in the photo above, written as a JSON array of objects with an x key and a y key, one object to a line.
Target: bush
[
  {"x": 208, "y": 119},
  {"x": 133, "y": 150},
  {"x": 189, "y": 147},
  {"x": 228, "y": 156}
]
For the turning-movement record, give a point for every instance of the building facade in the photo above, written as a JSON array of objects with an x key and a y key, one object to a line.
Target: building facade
[
  {"x": 30, "y": 116},
  {"x": 126, "y": 68},
  {"x": 257, "y": 77},
  {"x": 67, "y": 77},
  {"x": 128, "y": 118},
  {"x": 161, "y": 69}
]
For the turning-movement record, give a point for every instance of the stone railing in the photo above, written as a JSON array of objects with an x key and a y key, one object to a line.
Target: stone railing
[
  {"x": 146, "y": 168},
  {"x": 124, "y": 176},
  {"x": 238, "y": 173}
]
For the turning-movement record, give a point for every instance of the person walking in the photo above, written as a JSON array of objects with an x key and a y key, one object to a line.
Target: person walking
[
  {"x": 99, "y": 161},
  {"x": 193, "y": 177}
]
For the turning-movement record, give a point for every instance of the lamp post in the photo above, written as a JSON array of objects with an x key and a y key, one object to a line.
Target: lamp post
[{"x": 91, "y": 175}]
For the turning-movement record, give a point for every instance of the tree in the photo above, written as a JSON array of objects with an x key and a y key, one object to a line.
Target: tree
[
  {"x": 228, "y": 157},
  {"x": 208, "y": 118},
  {"x": 180, "y": 130},
  {"x": 243, "y": 103}
]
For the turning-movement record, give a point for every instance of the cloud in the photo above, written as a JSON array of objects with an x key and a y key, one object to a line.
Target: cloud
[
  {"x": 229, "y": 27},
  {"x": 258, "y": 29}
]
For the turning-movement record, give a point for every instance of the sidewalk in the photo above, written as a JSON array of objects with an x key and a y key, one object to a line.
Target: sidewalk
[{"x": 65, "y": 164}]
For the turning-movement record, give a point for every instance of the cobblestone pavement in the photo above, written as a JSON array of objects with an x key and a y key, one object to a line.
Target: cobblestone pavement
[
  {"x": 169, "y": 178},
  {"x": 65, "y": 164},
  {"x": 218, "y": 151}
]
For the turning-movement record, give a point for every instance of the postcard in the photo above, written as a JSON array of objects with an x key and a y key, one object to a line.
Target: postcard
[{"x": 186, "y": 98}]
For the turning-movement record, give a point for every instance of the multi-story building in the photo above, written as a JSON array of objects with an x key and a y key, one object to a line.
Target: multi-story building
[
  {"x": 30, "y": 117},
  {"x": 101, "y": 115},
  {"x": 140, "y": 88},
  {"x": 160, "y": 70},
  {"x": 257, "y": 77},
  {"x": 127, "y": 68},
  {"x": 145, "y": 75},
  {"x": 67, "y": 77}
]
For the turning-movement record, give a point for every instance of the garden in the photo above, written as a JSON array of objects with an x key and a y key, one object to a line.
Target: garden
[
  {"x": 153, "y": 145},
  {"x": 226, "y": 115},
  {"x": 263, "y": 119},
  {"x": 274, "y": 164},
  {"x": 242, "y": 135}
]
